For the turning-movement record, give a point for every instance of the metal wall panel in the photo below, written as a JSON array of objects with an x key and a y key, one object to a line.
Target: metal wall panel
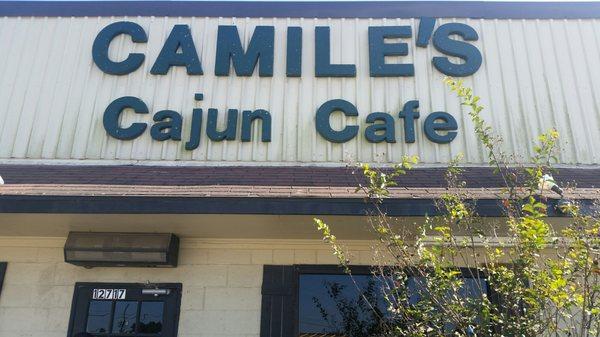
[{"x": 536, "y": 74}]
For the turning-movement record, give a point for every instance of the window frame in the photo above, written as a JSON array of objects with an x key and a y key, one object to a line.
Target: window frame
[
  {"x": 280, "y": 314},
  {"x": 175, "y": 306}
]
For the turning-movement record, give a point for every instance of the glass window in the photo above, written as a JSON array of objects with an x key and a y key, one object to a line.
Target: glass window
[
  {"x": 355, "y": 306},
  {"x": 471, "y": 288},
  {"x": 151, "y": 317},
  {"x": 341, "y": 305},
  {"x": 99, "y": 314},
  {"x": 124, "y": 317}
]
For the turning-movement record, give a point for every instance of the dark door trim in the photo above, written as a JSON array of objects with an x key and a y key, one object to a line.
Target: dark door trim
[{"x": 3, "y": 266}]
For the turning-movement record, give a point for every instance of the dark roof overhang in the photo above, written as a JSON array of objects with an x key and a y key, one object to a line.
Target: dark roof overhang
[{"x": 138, "y": 189}]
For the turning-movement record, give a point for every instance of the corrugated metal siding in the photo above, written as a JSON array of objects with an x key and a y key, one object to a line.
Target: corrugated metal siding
[{"x": 536, "y": 74}]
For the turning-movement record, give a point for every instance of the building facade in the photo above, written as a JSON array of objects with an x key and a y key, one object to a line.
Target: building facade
[{"x": 163, "y": 160}]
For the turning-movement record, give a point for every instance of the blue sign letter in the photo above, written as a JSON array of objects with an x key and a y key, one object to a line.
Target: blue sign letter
[
  {"x": 323, "y": 126},
  {"x": 180, "y": 38},
  {"x": 102, "y": 43},
  {"x": 168, "y": 126},
  {"x": 260, "y": 50},
  {"x": 448, "y": 46},
  {"x": 323, "y": 66},
  {"x": 378, "y": 50},
  {"x": 230, "y": 130},
  {"x": 114, "y": 110},
  {"x": 448, "y": 123},
  {"x": 409, "y": 113},
  {"x": 248, "y": 117},
  {"x": 294, "y": 52},
  {"x": 373, "y": 132}
]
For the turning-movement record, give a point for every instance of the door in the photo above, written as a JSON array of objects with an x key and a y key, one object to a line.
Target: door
[{"x": 125, "y": 309}]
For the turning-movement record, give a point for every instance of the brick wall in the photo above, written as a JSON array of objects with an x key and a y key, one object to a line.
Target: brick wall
[{"x": 221, "y": 283}]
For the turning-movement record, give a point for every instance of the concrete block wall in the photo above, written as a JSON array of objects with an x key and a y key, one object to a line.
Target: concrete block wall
[{"x": 221, "y": 283}]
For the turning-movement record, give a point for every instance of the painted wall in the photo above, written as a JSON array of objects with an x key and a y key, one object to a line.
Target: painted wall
[
  {"x": 221, "y": 283},
  {"x": 535, "y": 74}
]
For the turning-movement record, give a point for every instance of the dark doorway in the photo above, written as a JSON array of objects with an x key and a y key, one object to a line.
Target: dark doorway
[{"x": 125, "y": 309}]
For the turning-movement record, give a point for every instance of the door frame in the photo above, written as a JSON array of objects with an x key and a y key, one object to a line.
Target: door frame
[{"x": 79, "y": 285}]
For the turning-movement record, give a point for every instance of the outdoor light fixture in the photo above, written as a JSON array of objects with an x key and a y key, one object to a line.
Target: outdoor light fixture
[
  {"x": 89, "y": 249},
  {"x": 547, "y": 183}
]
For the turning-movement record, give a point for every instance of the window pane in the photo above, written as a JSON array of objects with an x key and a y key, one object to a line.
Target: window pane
[
  {"x": 98, "y": 316},
  {"x": 417, "y": 288},
  {"x": 472, "y": 291},
  {"x": 472, "y": 288},
  {"x": 341, "y": 305},
  {"x": 151, "y": 317},
  {"x": 124, "y": 317}
]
